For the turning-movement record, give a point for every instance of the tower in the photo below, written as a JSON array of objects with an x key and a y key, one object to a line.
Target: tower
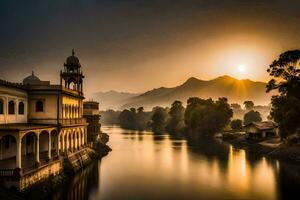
[{"x": 72, "y": 75}]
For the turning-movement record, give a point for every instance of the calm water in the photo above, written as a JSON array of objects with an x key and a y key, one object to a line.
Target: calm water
[{"x": 146, "y": 166}]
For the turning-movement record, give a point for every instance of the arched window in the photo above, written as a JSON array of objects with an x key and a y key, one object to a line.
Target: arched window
[
  {"x": 11, "y": 107},
  {"x": 1, "y": 106},
  {"x": 21, "y": 108},
  {"x": 39, "y": 106}
]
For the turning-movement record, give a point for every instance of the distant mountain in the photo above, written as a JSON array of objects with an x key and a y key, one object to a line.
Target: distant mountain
[
  {"x": 112, "y": 99},
  {"x": 224, "y": 86}
]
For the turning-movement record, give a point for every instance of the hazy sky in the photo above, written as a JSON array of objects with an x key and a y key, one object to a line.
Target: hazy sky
[{"x": 138, "y": 45}]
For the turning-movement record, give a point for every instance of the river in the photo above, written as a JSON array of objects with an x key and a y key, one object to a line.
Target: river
[{"x": 153, "y": 167}]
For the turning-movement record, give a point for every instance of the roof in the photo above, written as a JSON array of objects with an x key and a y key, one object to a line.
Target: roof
[
  {"x": 73, "y": 60},
  {"x": 265, "y": 125},
  {"x": 23, "y": 127}
]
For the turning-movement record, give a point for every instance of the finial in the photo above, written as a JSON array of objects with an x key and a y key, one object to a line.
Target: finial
[
  {"x": 32, "y": 73},
  {"x": 73, "y": 52}
]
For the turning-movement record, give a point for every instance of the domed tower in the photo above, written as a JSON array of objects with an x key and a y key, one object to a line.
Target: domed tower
[{"x": 72, "y": 75}]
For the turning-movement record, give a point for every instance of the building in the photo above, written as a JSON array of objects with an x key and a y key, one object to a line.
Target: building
[
  {"x": 92, "y": 116},
  {"x": 261, "y": 130},
  {"x": 42, "y": 124}
]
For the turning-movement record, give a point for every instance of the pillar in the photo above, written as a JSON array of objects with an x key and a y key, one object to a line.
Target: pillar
[
  {"x": 37, "y": 149},
  {"x": 49, "y": 146},
  {"x": 18, "y": 155}
]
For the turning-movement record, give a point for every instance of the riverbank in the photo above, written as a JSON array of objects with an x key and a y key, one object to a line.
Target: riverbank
[{"x": 273, "y": 148}]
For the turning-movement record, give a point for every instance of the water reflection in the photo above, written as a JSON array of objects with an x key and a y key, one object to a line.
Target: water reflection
[{"x": 147, "y": 166}]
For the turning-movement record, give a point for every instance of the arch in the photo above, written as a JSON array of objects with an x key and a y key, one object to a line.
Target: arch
[
  {"x": 79, "y": 138},
  {"x": 54, "y": 142},
  {"x": 11, "y": 107},
  {"x": 74, "y": 139},
  {"x": 29, "y": 149},
  {"x": 70, "y": 141},
  {"x": 8, "y": 145},
  {"x": 44, "y": 145},
  {"x": 39, "y": 106},
  {"x": 21, "y": 108},
  {"x": 66, "y": 141},
  {"x": 1, "y": 106}
]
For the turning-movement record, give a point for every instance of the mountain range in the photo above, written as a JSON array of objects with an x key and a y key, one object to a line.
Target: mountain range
[{"x": 236, "y": 91}]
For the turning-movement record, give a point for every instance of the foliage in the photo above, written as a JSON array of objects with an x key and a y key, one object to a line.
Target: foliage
[
  {"x": 206, "y": 117},
  {"x": 159, "y": 119},
  {"x": 249, "y": 105},
  {"x": 134, "y": 119},
  {"x": 110, "y": 117},
  {"x": 286, "y": 74},
  {"x": 252, "y": 116},
  {"x": 236, "y": 124},
  {"x": 286, "y": 112},
  {"x": 285, "y": 108},
  {"x": 175, "y": 123},
  {"x": 235, "y": 106}
]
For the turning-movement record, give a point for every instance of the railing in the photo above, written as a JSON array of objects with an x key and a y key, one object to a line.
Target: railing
[
  {"x": 58, "y": 121},
  {"x": 72, "y": 121},
  {"x": 7, "y": 172}
]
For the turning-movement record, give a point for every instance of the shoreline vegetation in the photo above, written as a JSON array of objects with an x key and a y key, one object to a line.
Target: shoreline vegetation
[{"x": 202, "y": 118}]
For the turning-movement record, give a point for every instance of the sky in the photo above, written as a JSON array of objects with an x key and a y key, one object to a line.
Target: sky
[{"x": 138, "y": 45}]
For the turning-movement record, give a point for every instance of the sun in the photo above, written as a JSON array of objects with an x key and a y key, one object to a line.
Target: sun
[{"x": 241, "y": 69}]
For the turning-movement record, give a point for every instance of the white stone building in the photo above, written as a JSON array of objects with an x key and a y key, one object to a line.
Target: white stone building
[{"x": 41, "y": 123}]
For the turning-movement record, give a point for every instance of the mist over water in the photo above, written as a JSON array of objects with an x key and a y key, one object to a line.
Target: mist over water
[{"x": 147, "y": 166}]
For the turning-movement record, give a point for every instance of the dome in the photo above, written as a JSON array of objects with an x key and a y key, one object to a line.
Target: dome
[
  {"x": 31, "y": 80},
  {"x": 73, "y": 60}
]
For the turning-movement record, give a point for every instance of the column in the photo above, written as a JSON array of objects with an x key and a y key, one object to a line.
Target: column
[
  {"x": 37, "y": 149},
  {"x": 18, "y": 155},
  {"x": 49, "y": 146}
]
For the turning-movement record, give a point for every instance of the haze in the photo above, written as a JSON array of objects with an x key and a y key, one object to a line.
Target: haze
[{"x": 139, "y": 45}]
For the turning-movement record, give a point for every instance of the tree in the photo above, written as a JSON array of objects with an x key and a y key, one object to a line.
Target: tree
[
  {"x": 285, "y": 108},
  {"x": 235, "y": 106},
  {"x": 286, "y": 74},
  {"x": 236, "y": 124},
  {"x": 252, "y": 116},
  {"x": 206, "y": 117},
  {"x": 249, "y": 105},
  {"x": 286, "y": 112},
  {"x": 176, "y": 122},
  {"x": 159, "y": 119},
  {"x": 127, "y": 118}
]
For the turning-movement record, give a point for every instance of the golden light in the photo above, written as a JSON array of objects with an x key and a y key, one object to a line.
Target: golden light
[{"x": 241, "y": 68}]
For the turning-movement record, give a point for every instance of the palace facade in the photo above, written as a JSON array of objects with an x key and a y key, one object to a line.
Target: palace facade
[{"x": 42, "y": 124}]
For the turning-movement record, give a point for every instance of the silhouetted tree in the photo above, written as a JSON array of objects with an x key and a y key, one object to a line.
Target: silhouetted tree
[
  {"x": 176, "y": 121},
  {"x": 159, "y": 119},
  {"x": 127, "y": 118},
  {"x": 286, "y": 112},
  {"x": 236, "y": 124},
  {"x": 252, "y": 116},
  {"x": 286, "y": 74},
  {"x": 249, "y": 105},
  {"x": 285, "y": 108},
  {"x": 235, "y": 106},
  {"x": 206, "y": 117}
]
